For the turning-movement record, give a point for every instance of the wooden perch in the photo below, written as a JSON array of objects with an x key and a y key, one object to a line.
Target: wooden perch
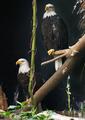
[
  {"x": 61, "y": 54},
  {"x": 58, "y": 52},
  {"x": 63, "y": 71},
  {"x": 52, "y": 60},
  {"x": 3, "y": 100}
]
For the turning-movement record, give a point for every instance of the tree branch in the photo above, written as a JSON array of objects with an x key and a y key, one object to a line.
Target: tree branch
[
  {"x": 63, "y": 71},
  {"x": 61, "y": 54},
  {"x": 54, "y": 59}
]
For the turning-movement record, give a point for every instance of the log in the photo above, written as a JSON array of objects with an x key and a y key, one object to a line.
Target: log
[
  {"x": 58, "y": 116},
  {"x": 63, "y": 117},
  {"x": 3, "y": 100},
  {"x": 63, "y": 71}
]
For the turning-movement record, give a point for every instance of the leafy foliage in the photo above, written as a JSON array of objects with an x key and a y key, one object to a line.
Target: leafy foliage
[{"x": 17, "y": 113}]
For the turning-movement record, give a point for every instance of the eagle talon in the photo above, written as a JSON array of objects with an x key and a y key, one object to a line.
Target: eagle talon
[{"x": 51, "y": 52}]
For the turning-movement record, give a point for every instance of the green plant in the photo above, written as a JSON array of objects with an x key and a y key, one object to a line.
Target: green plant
[
  {"x": 18, "y": 114},
  {"x": 32, "y": 69}
]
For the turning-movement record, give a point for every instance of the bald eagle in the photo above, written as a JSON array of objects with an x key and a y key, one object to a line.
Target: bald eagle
[
  {"x": 54, "y": 31},
  {"x": 23, "y": 78}
]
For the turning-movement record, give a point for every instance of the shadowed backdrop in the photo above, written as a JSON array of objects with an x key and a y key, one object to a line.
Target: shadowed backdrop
[{"x": 15, "y": 29}]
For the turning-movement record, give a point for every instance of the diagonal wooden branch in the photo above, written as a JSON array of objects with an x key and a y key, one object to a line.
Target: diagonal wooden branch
[
  {"x": 63, "y": 71},
  {"x": 60, "y": 54},
  {"x": 54, "y": 59}
]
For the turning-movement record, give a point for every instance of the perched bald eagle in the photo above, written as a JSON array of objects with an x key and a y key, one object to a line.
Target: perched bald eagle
[
  {"x": 54, "y": 31},
  {"x": 23, "y": 78}
]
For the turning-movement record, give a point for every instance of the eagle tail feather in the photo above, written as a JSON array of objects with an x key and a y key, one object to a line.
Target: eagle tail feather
[{"x": 58, "y": 64}]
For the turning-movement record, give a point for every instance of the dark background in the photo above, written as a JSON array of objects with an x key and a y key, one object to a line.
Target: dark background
[{"x": 15, "y": 29}]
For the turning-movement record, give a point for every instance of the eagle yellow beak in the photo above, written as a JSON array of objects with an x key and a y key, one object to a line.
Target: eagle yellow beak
[{"x": 18, "y": 62}]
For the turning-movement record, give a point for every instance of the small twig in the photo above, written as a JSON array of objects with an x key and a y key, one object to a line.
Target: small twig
[
  {"x": 62, "y": 53},
  {"x": 54, "y": 59}
]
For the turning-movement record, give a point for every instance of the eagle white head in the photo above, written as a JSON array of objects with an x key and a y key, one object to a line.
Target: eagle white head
[
  {"x": 49, "y": 7},
  {"x": 49, "y": 10},
  {"x": 23, "y": 65}
]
